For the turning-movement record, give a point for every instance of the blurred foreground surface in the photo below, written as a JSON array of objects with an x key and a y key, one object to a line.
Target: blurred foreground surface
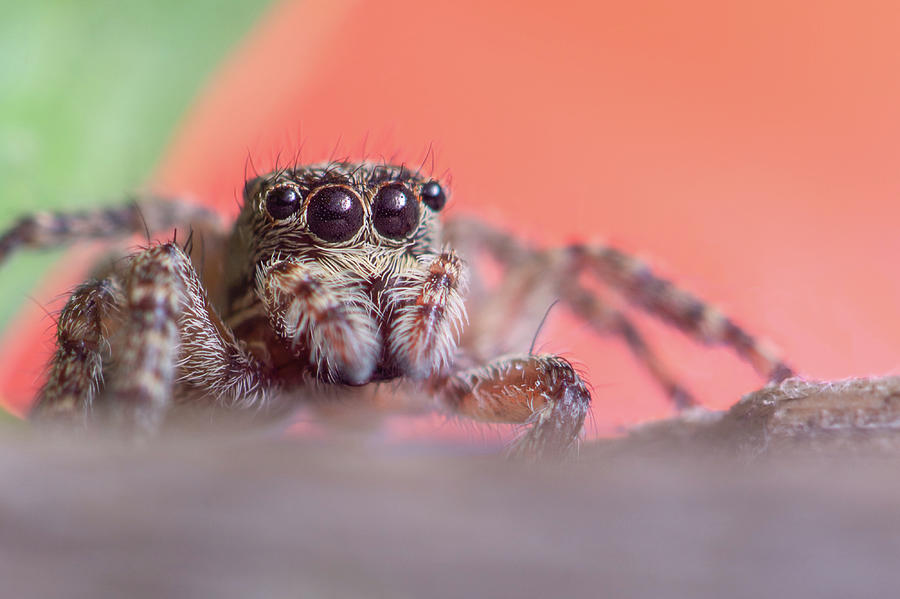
[{"x": 246, "y": 515}]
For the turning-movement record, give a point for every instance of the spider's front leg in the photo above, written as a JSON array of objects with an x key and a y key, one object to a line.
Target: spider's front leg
[
  {"x": 324, "y": 316},
  {"x": 82, "y": 340},
  {"x": 425, "y": 315},
  {"x": 169, "y": 327},
  {"x": 541, "y": 390},
  {"x": 509, "y": 315},
  {"x": 536, "y": 276}
]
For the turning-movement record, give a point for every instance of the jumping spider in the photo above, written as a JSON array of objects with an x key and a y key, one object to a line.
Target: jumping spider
[{"x": 339, "y": 275}]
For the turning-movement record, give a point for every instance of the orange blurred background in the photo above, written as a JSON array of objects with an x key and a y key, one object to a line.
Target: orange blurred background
[{"x": 748, "y": 151}]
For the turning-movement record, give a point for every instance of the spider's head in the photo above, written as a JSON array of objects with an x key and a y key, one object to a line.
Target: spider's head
[
  {"x": 380, "y": 211},
  {"x": 339, "y": 255}
]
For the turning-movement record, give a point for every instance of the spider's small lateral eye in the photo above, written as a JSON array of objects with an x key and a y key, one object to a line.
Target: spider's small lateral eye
[
  {"x": 395, "y": 211},
  {"x": 283, "y": 201},
  {"x": 334, "y": 214},
  {"x": 433, "y": 195}
]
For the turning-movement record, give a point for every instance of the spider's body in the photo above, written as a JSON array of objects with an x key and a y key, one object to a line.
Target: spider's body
[{"x": 340, "y": 274}]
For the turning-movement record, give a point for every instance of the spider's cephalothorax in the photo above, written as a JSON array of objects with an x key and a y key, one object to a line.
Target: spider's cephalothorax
[
  {"x": 345, "y": 262},
  {"x": 336, "y": 276}
]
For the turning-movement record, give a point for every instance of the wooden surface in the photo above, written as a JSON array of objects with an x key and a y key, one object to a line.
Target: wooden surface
[{"x": 251, "y": 515}]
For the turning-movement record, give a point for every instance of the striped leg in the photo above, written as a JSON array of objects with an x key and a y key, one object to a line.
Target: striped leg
[
  {"x": 82, "y": 337},
  {"x": 533, "y": 280},
  {"x": 541, "y": 390},
  {"x": 557, "y": 271},
  {"x": 505, "y": 319},
  {"x": 606, "y": 319},
  {"x": 325, "y": 316},
  {"x": 659, "y": 297},
  {"x": 426, "y": 314},
  {"x": 168, "y": 323},
  {"x": 151, "y": 214}
]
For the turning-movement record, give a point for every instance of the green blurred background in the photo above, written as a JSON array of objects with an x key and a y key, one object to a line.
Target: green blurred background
[{"x": 90, "y": 93}]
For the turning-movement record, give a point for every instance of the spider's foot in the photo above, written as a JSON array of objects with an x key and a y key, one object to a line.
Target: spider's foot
[
  {"x": 780, "y": 372},
  {"x": 556, "y": 428}
]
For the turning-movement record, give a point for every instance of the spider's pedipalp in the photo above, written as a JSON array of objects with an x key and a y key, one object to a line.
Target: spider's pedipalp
[
  {"x": 324, "y": 316},
  {"x": 426, "y": 315}
]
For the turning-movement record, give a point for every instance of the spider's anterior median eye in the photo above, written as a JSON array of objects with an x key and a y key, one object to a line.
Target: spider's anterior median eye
[
  {"x": 334, "y": 214},
  {"x": 283, "y": 201},
  {"x": 395, "y": 211},
  {"x": 433, "y": 195}
]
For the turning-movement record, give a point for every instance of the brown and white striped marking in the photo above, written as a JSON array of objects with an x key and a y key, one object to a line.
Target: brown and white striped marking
[
  {"x": 82, "y": 335},
  {"x": 169, "y": 329},
  {"x": 427, "y": 314},
  {"x": 146, "y": 214},
  {"x": 663, "y": 299}
]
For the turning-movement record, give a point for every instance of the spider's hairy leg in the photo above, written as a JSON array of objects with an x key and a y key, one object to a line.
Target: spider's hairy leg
[
  {"x": 533, "y": 280},
  {"x": 323, "y": 313},
  {"x": 169, "y": 325},
  {"x": 146, "y": 213},
  {"x": 636, "y": 282},
  {"x": 541, "y": 390},
  {"x": 666, "y": 301},
  {"x": 604, "y": 318},
  {"x": 504, "y": 320},
  {"x": 82, "y": 334},
  {"x": 426, "y": 314}
]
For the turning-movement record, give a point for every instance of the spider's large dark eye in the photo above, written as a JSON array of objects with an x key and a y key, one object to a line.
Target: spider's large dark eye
[
  {"x": 334, "y": 214},
  {"x": 283, "y": 201},
  {"x": 433, "y": 195},
  {"x": 395, "y": 211}
]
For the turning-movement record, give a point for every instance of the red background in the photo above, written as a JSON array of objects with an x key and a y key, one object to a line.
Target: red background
[{"x": 748, "y": 152}]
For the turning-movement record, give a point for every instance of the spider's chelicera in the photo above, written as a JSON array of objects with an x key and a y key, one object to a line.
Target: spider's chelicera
[{"x": 341, "y": 275}]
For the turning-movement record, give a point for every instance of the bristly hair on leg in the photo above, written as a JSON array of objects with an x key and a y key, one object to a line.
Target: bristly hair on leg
[
  {"x": 540, "y": 326},
  {"x": 188, "y": 247},
  {"x": 140, "y": 213}
]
